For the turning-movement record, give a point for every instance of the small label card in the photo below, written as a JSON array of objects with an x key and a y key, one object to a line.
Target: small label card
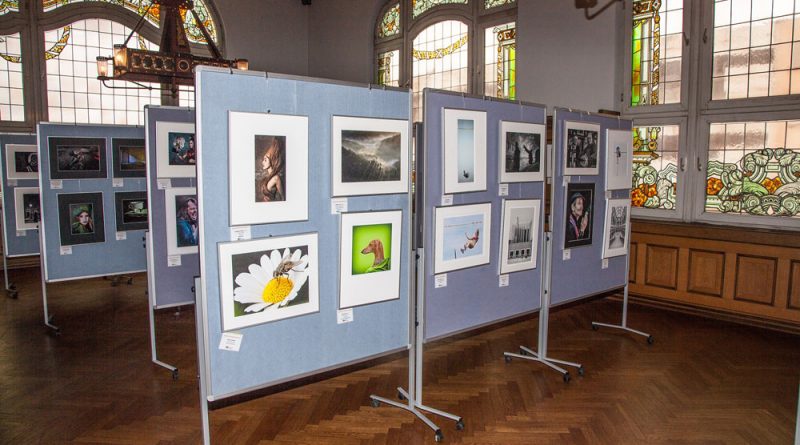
[
  {"x": 344, "y": 316},
  {"x": 503, "y": 280},
  {"x": 56, "y": 184},
  {"x": 122, "y": 236},
  {"x": 12, "y": 182},
  {"x": 21, "y": 232},
  {"x": 608, "y": 194},
  {"x": 604, "y": 264},
  {"x": 164, "y": 183},
  {"x": 240, "y": 233},
  {"x": 338, "y": 205},
  {"x": 66, "y": 250},
  {"x": 173, "y": 261},
  {"x": 230, "y": 341},
  {"x": 447, "y": 200},
  {"x": 503, "y": 190},
  {"x": 118, "y": 182},
  {"x": 567, "y": 255},
  {"x": 440, "y": 281}
]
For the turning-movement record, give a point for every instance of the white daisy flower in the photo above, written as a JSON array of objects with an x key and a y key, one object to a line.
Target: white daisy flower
[{"x": 274, "y": 282}]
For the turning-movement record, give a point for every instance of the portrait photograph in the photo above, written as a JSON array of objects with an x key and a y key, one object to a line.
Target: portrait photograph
[
  {"x": 579, "y": 215},
  {"x": 131, "y": 210},
  {"x": 617, "y": 229},
  {"x": 22, "y": 161},
  {"x": 464, "y": 145},
  {"x": 176, "y": 150},
  {"x": 462, "y": 236},
  {"x": 521, "y": 155},
  {"x": 369, "y": 257},
  {"x": 27, "y": 208},
  {"x": 519, "y": 235},
  {"x": 128, "y": 158},
  {"x": 268, "y": 279},
  {"x": 370, "y": 156},
  {"x": 581, "y": 156},
  {"x": 77, "y": 158},
  {"x": 182, "y": 213},
  {"x": 81, "y": 218},
  {"x": 268, "y": 168},
  {"x": 619, "y": 159}
]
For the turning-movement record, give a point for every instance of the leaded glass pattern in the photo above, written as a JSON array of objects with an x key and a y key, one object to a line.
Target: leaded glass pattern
[
  {"x": 420, "y": 6},
  {"x": 500, "y": 70},
  {"x": 388, "y": 68},
  {"x": 488, "y": 4},
  {"x": 7, "y": 6},
  {"x": 390, "y": 24},
  {"x": 655, "y": 166},
  {"x": 186, "y": 96},
  {"x": 657, "y": 52},
  {"x": 756, "y": 48},
  {"x": 754, "y": 168},
  {"x": 440, "y": 54},
  {"x": 12, "y": 103},
  {"x": 74, "y": 94}
]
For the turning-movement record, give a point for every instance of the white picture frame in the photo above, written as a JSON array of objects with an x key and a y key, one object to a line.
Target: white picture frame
[
  {"x": 247, "y": 267},
  {"x": 581, "y": 154},
  {"x": 521, "y": 152},
  {"x": 619, "y": 159},
  {"x": 35, "y": 210},
  {"x": 182, "y": 243},
  {"x": 616, "y": 238},
  {"x": 464, "y": 150},
  {"x": 376, "y": 140},
  {"x": 12, "y": 171},
  {"x": 369, "y": 269},
  {"x": 167, "y": 134},
  {"x": 282, "y": 195},
  {"x": 462, "y": 236},
  {"x": 519, "y": 237}
]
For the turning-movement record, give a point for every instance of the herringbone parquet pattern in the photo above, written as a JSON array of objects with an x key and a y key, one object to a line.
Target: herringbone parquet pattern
[{"x": 703, "y": 381}]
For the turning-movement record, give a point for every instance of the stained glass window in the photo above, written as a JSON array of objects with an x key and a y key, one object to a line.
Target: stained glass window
[
  {"x": 389, "y": 68},
  {"x": 439, "y": 55},
  {"x": 9, "y": 6},
  {"x": 420, "y": 6},
  {"x": 73, "y": 92},
  {"x": 12, "y": 103},
  {"x": 754, "y": 168},
  {"x": 657, "y": 48},
  {"x": 186, "y": 96},
  {"x": 495, "y": 3},
  {"x": 655, "y": 166},
  {"x": 390, "y": 24},
  {"x": 500, "y": 71},
  {"x": 756, "y": 48}
]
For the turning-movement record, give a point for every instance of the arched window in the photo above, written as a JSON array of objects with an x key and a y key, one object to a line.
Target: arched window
[
  {"x": 458, "y": 45},
  {"x": 63, "y": 44}
]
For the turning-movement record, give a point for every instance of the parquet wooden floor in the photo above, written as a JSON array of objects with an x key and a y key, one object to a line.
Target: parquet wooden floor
[{"x": 702, "y": 382}]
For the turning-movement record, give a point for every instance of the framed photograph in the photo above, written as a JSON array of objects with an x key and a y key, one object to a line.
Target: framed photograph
[
  {"x": 22, "y": 161},
  {"x": 369, "y": 257},
  {"x": 521, "y": 152},
  {"x": 131, "y": 210},
  {"x": 579, "y": 215},
  {"x": 461, "y": 237},
  {"x": 268, "y": 168},
  {"x": 581, "y": 155},
  {"x": 268, "y": 279},
  {"x": 619, "y": 159},
  {"x": 464, "y": 142},
  {"x": 80, "y": 218},
  {"x": 370, "y": 156},
  {"x": 176, "y": 151},
  {"x": 519, "y": 239},
  {"x": 27, "y": 208},
  {"x": 77, "y": 158},
  {"x": 128, "y": 156},
  {"x": 182, "y": 213},
  {"x": 617, "y": 230}
]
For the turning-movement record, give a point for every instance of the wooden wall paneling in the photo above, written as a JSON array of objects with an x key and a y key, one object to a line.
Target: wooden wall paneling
[
  {"x": 793, "y": 296},
  {"x": 756, "y": 279},
  {"x": 633, "y": 251},
  {"x": 706, "y": 272},
  {"x": 662, "y": 266}
]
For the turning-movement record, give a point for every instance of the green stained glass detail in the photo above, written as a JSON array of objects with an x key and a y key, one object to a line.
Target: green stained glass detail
[
  {"x": 506, "y": 61},
  {"x": 9, "y": 6},
  {"x": 388, "y": 67},
  {"x": 390, "y": 25},
  {"x": 645, "y": 52},
  {"x": 192, "y": 30},
  {"x": 495, "y": 3},
  {"x": 420, "y": 6},
  {"x": 655, "y": 178}
]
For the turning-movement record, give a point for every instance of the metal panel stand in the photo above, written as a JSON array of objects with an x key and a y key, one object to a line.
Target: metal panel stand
[
  {"x": 48, "y": 318},
  {"x": 544, "y": 316},
  {"x": 150, "y": 304},
  {"x": 624, "y": 326},
  {"x": 201, "y": 364},
  {"x": 413, "y": 397},
  {"x": 11, "y": 288}
]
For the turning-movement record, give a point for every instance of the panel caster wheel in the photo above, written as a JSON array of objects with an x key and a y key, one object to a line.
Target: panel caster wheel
[
  {"x": 438, "y": 436},
  {"x": 375, "y": 403},
  {"x": 566, "y": 377},
  {"x": 522, "y": 352},
  {"x": 460, "y": 424},
  {"x": 175, "y": 375},
  {"x": 595, "y": 327},
  {"x": 507, "y": 359},
  {"x": 580, "y": 371},
  {"x": 12, "y": 286},
  {"x": 400, "y": 396},
  {"x": 650, "y": 340},
  {"x": 130, "y": 280},
  {"x": 13, "y": 294}
]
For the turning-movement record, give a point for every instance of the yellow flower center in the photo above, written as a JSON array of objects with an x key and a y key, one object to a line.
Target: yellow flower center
[{"x": 277, "y": 290}]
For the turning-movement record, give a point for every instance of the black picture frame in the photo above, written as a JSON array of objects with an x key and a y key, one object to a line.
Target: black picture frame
[
  {"x": 129, "y": 211},
  {"x": 128, "y": 157},
  {"x": 77, "y": 158},
  {"x": 575, "y": 234},
  {"x": 71, "y": 230}
]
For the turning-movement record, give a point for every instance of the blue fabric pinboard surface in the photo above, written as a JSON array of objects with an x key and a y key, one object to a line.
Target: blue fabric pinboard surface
[{"x": 23, "y": 243}]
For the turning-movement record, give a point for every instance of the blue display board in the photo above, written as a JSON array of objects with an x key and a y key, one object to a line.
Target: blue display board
[
  {"x": 110, "y": 257},
  {"x": 22, "y": 243},
  {"x": 289, "y": 348},
  {"x": 169, "y": 285},
  {"x": 582, "y": 275},
  {"x": 473, "y": 297}
]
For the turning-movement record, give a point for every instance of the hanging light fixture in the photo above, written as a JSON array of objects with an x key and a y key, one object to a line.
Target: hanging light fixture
[{"x": 173, "y": 64}]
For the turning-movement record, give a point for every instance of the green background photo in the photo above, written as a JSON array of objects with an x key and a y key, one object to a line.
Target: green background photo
[{"x": 362, "y": 235}]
